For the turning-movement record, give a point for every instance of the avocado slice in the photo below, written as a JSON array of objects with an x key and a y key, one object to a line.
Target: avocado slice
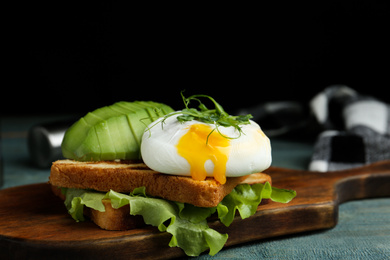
[{"x": 111, "y": 132}]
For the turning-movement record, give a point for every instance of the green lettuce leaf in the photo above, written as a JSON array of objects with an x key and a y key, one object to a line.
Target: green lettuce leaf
[
  {"x": 186, "y": 223},
  {"x": 192, "y": 237},
  {"x": 281, "y": 195},
  {"x": 77, "y": 198},
  {"x": 193, "y": 213},
  {"x": 246, "y": 198}
]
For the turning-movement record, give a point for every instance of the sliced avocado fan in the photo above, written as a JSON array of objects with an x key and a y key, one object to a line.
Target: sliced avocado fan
[{"x": 111, "y": 132}]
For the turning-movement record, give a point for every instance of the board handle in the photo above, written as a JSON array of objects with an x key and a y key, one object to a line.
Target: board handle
[{"x": 370, "y": 181}]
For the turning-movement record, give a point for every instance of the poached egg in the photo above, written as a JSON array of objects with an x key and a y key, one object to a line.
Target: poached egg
[{"x": 193, "y": 149}]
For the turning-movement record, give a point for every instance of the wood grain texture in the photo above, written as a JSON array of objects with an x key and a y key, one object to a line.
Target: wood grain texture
[{"x": 34, "y": 223}]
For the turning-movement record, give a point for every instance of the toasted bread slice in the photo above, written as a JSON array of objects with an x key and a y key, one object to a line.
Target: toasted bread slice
[
  {"x": 125, "y": 176},
  {"x": 120, "y": 219}
]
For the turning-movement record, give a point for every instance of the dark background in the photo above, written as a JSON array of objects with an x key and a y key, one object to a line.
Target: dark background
[{"x": 73, "y": 58}]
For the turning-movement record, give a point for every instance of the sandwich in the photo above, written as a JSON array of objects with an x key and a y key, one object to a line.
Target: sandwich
[{"x": 142, "y": 163}]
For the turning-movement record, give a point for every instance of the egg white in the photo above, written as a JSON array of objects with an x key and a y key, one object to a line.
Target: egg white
[{"x": 250, "y": 153}]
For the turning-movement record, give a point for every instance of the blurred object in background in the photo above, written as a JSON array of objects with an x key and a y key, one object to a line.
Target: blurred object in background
[
  {"x": 44, "y": 142},
  {"x": 356, "y": 129},
  {"x": 280, "y": 117}
]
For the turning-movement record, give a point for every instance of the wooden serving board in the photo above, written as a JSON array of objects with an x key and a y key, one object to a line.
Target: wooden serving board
[{"x": 34, "y": 223}]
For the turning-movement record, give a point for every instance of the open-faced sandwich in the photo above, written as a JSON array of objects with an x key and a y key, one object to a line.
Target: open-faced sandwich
[{"x": 142, "y": 163}]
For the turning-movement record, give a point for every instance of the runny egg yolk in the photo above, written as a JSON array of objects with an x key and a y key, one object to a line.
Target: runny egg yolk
[{"x": 197, "y": 150}]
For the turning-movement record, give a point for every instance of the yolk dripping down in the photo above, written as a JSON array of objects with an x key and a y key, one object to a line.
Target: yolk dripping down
[{"x": 196, "y": 149}]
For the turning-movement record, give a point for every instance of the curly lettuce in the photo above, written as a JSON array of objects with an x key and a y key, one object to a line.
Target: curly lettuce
[
  {"x": 246, "y": 198},
  {"x": 186, "y": 223}
]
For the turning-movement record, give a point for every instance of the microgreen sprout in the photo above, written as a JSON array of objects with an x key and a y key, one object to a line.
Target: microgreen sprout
[{"x": 217, "y": 116}]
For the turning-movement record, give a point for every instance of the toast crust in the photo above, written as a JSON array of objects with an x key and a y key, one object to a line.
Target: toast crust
[{"x": 124, "y": 176}]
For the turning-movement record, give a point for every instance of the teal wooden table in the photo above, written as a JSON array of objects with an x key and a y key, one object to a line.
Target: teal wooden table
[{"x": 363, "y": 230}]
